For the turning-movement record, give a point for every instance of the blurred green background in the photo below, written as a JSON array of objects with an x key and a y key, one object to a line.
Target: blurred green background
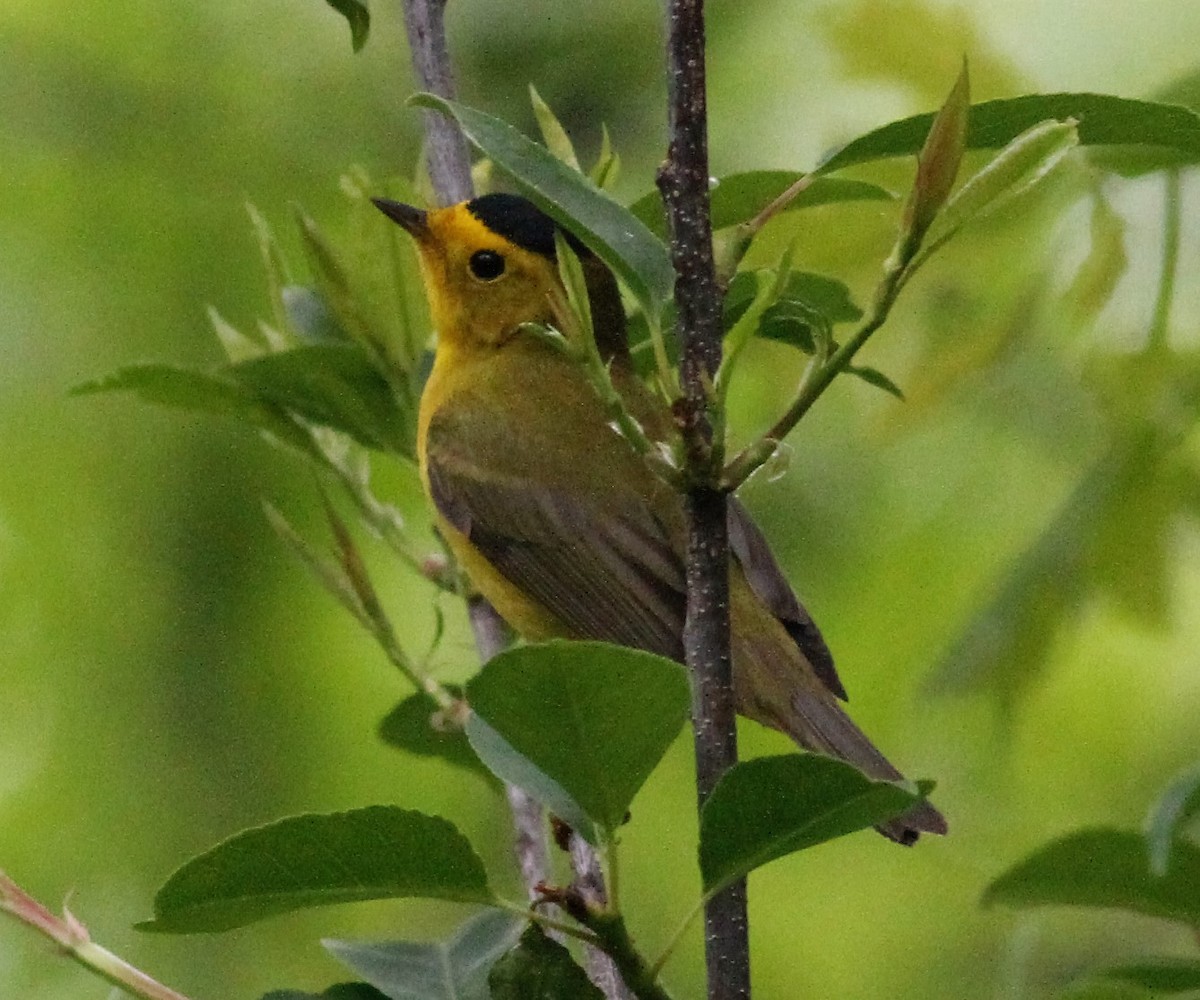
[{"x": 168, "y": 673}]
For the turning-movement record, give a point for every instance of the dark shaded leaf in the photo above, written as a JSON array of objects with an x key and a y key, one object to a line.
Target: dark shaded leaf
[
  {"x": 1169, "y": 818},
  {"x": 1103, "y": 120},
  {"x": 358, "y": 16},
  {"x": 379, "y": 852},
  {"x": 540, "y": 969},
  {"x": 592, "y": 718},
  {"x": 1104, "y": 868},
  {"x": 769, "y": 807},
  {"x": 453, "y": 969},
  {"x": 607, "y": 228},
  {"x": 342, "y": 991},
  {"x": 1163, "y": 975},
  {"x": 411, "y": 726}
]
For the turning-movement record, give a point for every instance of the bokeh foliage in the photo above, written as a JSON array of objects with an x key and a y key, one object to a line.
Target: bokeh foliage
[{"x": 169, "y": 675}]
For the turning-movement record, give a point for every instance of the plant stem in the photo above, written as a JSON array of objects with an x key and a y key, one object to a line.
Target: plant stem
[
  {"x": 72, "y": 937},
  {"x": 613, "y": 937},
  {"x": 590, "y": 885},
  {"x": 683, "y": 181},
  {"x": 445, "y": 148},
  {"x": 1172, "y": 212}
]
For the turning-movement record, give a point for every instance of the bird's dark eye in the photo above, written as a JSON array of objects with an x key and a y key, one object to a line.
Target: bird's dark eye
[{"x": 486, "y": 265}]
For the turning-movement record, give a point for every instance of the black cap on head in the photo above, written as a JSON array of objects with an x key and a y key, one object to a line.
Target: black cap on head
[{"x": 521, "y": 222}]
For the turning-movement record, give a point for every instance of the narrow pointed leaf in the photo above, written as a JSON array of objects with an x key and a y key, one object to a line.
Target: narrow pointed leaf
[
  {"x": 379, "y": 852},
  {"x": 452, "y": 969},
  {"x": 608, "y": 229},
  {"x": 737, "y": 198},
  {"x": 940, "y": 157},
  {"x": 769, "y": 807},
  {"x": 1104, "y": 868},
  {"x": 1103, "y": 120},
  {"x": 873, "y": 376},
  {"x": 553, "y": 134},
  {"x": 540, "y": 969},
  {"x": 1162, "y": 975},
  {"x": 593, "y": 718},
  {"x": 358, "y": 16},
  {"x": 1178, "y": 805}
]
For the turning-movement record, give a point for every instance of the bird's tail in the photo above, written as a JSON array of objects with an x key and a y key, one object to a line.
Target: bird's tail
[{"x": 818, "y": 723}]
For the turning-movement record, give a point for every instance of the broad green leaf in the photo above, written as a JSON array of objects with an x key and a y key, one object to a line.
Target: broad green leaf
[
  {"x": 1169, "y": 817},
  {"x": 452, "y": 969},
  {"x": 593, "y": 718},
  {"x": 769, "y": 807},
  {"x": 1104, "y": 868},
  {"x": 1103, "y": 120},
  {"x": 1014, "y": 170},
  {"x": 540, "y": 969},
  {"x": 410, "y": 726},
  {"x": 342, "y": 991},
  {"x": 218, "y": 394},
  {"x": 737, "y": 198},
  {"x": 334, "y": 385},
  {"x": 358, "y": 16},
  {"x": 1162, "y": 975},
  {"x": 827, "y": 296},
  {"x": 378, "y": 852},
  {"x": 608, "y": 229}
]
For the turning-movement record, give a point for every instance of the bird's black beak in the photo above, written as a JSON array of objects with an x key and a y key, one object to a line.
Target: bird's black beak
[{"x": 412, "y": 219}]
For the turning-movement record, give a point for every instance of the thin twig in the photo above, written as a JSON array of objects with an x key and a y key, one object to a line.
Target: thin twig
[
  {"x": 589, "y": 884},
  {"x": 1172, "y": 215},
  {"x": 72, "y": 937},
  {"x": 445, "y": 148},
  {"x": 683, "y": 181}
]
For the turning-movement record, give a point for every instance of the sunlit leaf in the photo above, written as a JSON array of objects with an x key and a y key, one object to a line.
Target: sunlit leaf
[
  {"x": 553, "y": 134},
  {"x": 1096, "y": 280},
  {"x": 540, "y": 969},
  {"x": 766, "y": 808},
  {"x": 592, "y": 718},
  {"x": 939, "y": 159},
  {"x": 379, "y": 852},
  {"x": 455, "y": 968},
  {"x": 1104, "y": 868},
  {"x": 1169, "y": 817},
  {"x": 358, "y": 16},
  {"x": 608, "y": 229},
  {"x": 1103, "y": 120}
]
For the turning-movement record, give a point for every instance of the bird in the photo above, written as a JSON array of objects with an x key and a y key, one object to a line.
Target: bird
[{"x": 555, "y": 518}]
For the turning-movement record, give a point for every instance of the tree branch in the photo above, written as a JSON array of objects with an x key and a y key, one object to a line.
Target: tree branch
[{"x": 683, "y": 182}]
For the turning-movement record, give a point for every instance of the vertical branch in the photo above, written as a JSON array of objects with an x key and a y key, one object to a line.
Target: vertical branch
[
  {"x": 683, "y": 182},
  {"x": 445, "y": 147}
]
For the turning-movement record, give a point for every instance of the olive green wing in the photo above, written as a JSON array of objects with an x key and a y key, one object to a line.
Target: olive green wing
[{"x": 607, "y": 570}]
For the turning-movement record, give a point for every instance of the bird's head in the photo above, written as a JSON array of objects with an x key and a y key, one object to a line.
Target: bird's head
[{"x": 489, "y": 265}]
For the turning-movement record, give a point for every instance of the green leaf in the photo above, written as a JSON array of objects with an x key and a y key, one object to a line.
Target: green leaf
[
  {"x": 873, "y": 376},
  {"x": 202, "y": 392},
  {"x": 608, "y": 229},
  {"x": 335, "y": 385},
  {"x": 591, "y": 718},
  {"x": 1104, "y": 868},
  {"x": 827, "y": 296},
  {"x": 540, "y": 969},
  {"x": 766, "y": 808},
  {"x": 342, "y": 991},
  {"x": 1184, "y": 90},
  {"x": 1014, "y": 170},
  {"x": 553, "y": 134},
  {"x": 1163, "y": 975},
  {"x": 738, "y": 198},
  {"x": 453, "y": 969},
  {"x": 358, "y": 16},
  {"x": 378, "y": 852},
  {"x": 1103, "y": 120},
  {"x": 1169, "y": 817},
  {"x": 411, "y": 727}
]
